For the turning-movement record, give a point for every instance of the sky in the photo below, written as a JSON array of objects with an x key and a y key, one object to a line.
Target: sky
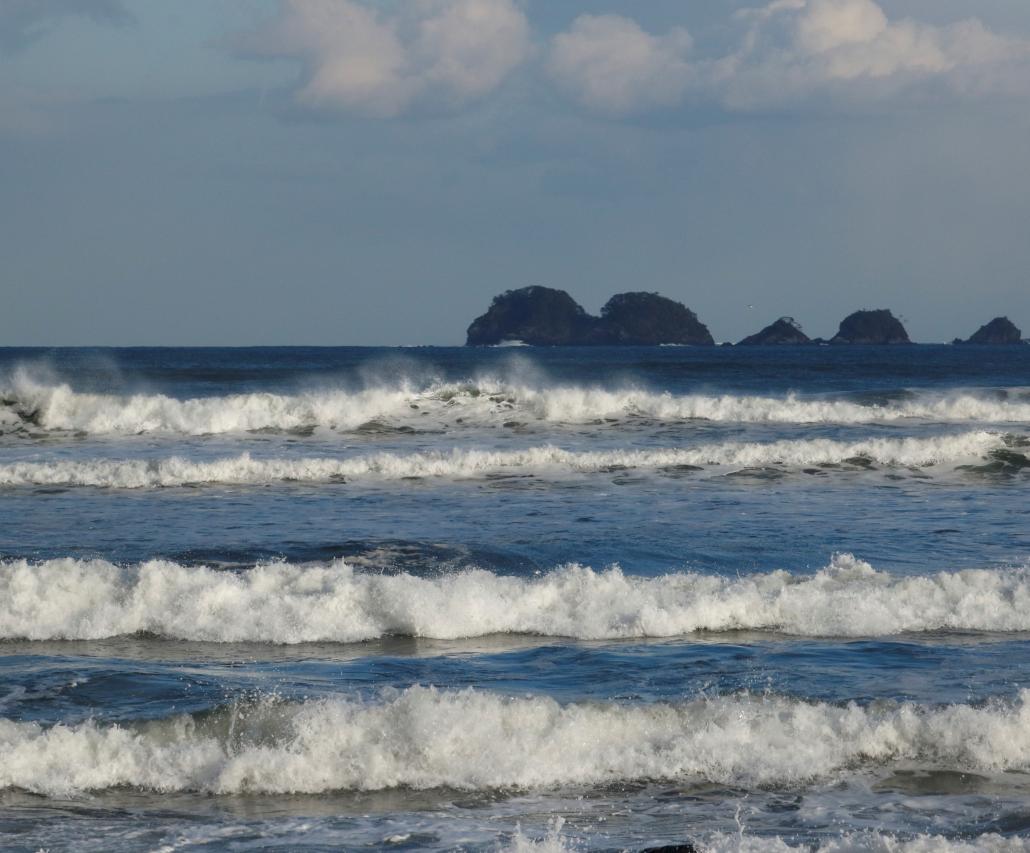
[{"x": 362, "y": 172}]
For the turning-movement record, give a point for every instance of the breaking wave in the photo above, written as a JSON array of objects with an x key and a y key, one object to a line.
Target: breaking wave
[
  {"x": 29, "y": 404},
  {"x": 285, "y": 603},
  {"x": 460, "y": 464},
  {"x": 868, "y": 842},
  {"x": 852, "y": 842},
  {"x": 426, "y": 738}
]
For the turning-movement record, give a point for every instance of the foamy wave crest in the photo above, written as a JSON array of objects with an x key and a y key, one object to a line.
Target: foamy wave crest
[
  {"x": 485, "y": 401},
  {"x": 859, "y": 842},
  {"x": 58, "y": 407},
  {"x": 284, "y": 603},
  {"x": 427, "y": 738},
  {"x": 852, "y": 842},
  {"x": 460, "y": 464}
]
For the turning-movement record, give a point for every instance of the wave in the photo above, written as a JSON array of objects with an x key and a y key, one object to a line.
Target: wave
[
  {"x": 28, "y": 404},
  {"x": 857, "y": 842},
  {"x": 424, "y": 738},
  {"x": 460, "y": 464},
  {"x": 69, "y": 599},
  {"x": 869, "y": 841}
]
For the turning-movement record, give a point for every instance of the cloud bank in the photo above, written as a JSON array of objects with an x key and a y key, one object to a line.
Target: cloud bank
[
  {"x": 612, "y": 65},
  {"x": 384, "y": 60},
  {"x": 360, "y": 58},
  {"x": 850, "y": 49}
]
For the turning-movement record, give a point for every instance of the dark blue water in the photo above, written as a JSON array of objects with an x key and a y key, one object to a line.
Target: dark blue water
[{"x": 515, "y": 598}]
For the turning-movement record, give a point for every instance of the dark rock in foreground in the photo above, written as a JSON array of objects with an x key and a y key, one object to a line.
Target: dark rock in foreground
[
  {"x": 871, "y": 327},
  {"x": 1001, "y": 330},
  {"x": 648, "y": 319},
  {"x": 786, "y": 330},
  {"x": 543, "y": 316}
]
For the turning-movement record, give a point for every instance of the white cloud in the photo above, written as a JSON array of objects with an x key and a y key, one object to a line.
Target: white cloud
[
  {"x": 361, "y": 59},
  {"x": 850, "y": 48},
  {"x": 829, "y": 24},
  {"x": 610, "y": 64},
  {"x": 789, "y": 50}
]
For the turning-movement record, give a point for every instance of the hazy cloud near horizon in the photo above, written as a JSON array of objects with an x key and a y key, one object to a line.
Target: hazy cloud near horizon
[
  {"x": 336, "y": 171},
  {"x": 24, "y": 21}
]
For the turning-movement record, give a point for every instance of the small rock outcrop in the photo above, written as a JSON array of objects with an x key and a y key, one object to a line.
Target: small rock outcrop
[
  {"x": 871, "y": 327},
  {"x": 542, "y": 316},
  {"x": 786, "y": 330},
  {"x": 1001, "y": 330},
  {"x": 645, "y": 319}
]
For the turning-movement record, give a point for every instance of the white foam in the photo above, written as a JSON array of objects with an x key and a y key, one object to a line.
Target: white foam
[
  {"x": 58, "y": 407},
  {"x": 427, "y": 738},
  {"x": 859, "y": 842},
  {"x": 284, "y": 603},
  {"x": 864, "y": 842},
  {"x": 458, "y": 464},
  {"x": 483, "y": 401}
]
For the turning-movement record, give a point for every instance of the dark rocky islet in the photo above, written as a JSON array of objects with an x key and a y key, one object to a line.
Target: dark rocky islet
[
  {"x": 541, "y": 316},
  {"x": 648, "y": 318},
  {"x": 784, "y": 331},
  {"x": 547, "y": 316},
  {"x": 1001, "y": 330},
  {"x": 878, "y": 326}
]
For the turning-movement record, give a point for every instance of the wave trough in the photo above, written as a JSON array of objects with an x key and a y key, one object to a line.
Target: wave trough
[{"x": 68, "y": 599}]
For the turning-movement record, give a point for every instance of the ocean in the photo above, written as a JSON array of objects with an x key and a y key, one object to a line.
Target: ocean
[{"x": 732, "y": 599}]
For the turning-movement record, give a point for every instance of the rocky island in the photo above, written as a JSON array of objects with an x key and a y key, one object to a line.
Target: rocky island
[
  {"x": 1001, "y": 330},
  {"x": 541, "y": 316},
  {"x": 784, "y": 331},
  {"x": 871, "y": 327},
  {"x": 648, "y": 318},
  {"x": 545, "y": 316}
]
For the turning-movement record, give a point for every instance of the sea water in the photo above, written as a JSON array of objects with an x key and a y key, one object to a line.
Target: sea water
[{"x": 534, "y": 599}]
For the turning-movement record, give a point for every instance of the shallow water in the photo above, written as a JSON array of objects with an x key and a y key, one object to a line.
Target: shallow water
[{"x": 478, "y": 599}]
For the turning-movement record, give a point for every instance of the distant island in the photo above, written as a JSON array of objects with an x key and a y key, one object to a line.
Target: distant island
[
  {"x": 786, "y": 330},
  {"x": 871, "y": 327},
  {"x": 546, "y": 316},
  {"x": 879, "y": 326},
  {"x": 1001, "y": 330},
  {"x": 543, "y": 316}
]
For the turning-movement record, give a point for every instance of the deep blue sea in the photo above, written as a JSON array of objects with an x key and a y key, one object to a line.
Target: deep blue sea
[{"x": 515, "y": 599}]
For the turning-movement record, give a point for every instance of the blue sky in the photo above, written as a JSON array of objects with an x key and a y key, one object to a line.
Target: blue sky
[{"x": 352, "y": 172}]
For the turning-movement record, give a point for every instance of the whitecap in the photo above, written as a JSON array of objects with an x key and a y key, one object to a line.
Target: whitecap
[
  {"x": 484, "y": 401},
  {"x": 285, "y": 603},
  {"x": 426, "y": 738}
]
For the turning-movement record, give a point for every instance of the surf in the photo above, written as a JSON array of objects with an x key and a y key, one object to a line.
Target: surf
[
  {"x": 426, "y": 738},
  {"x": 28, "y": 404},
  {"x": 545, "y": 461},
  {"x": 283, "y": 603}
]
